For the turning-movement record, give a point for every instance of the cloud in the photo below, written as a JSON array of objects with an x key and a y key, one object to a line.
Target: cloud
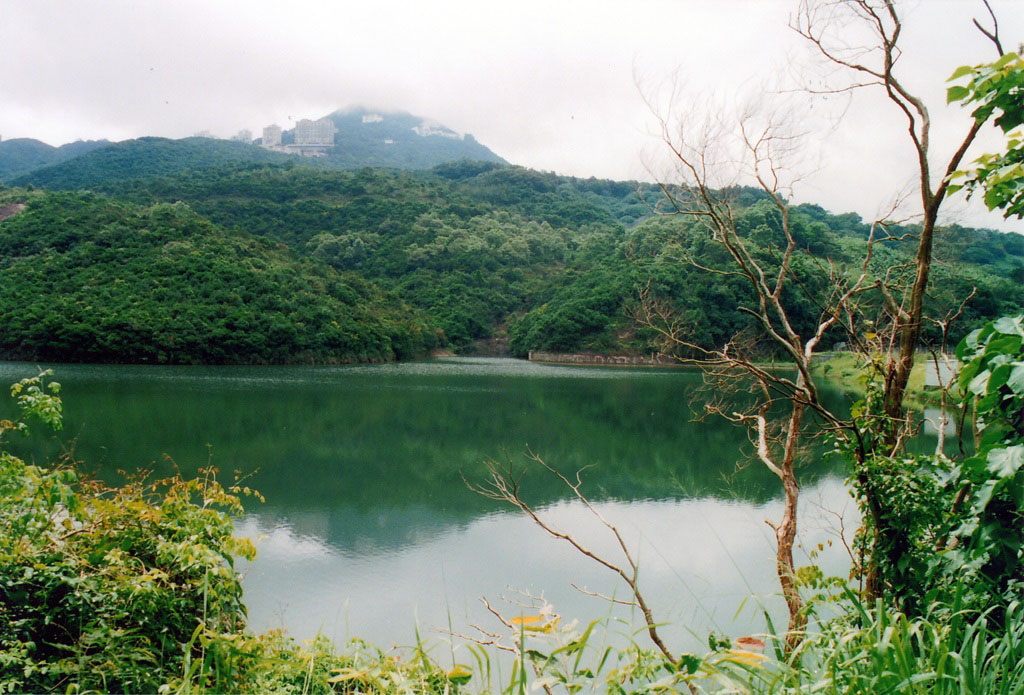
[{"x": 551, "y": 85}]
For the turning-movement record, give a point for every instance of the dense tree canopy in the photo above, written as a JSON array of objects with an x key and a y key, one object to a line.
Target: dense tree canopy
[
  {"x": 478, "y": 250},
  {"x": 84, "y": 278}
]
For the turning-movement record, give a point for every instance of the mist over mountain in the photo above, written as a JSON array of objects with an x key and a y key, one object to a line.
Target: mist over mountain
[{"x": 398, "y": 139}]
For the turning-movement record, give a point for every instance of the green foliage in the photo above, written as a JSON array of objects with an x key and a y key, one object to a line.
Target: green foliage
[
  {"x": 39, "y": 401},
  {"x": 871, "y": 649},
  {"x": 83, "y": 278},
  {"x": 100, "y": 587},
  {"x": 994, "y": 89},
  {"x": 467, "y": 265},
  {"x": 902, "y": 498},
  {"x": 133, "y": 589},
  {"x": 144, "y": 157},
  {"x": 942, "y": 530},
  {"x": 580, "y": 316},
  {"x": 989, "y": 550},
  {"x": 480, "y": 249},
  {"x": 22, "y": 155},
  {"x": 855, "y": 648},
  {"x": 240, "y": 662}
]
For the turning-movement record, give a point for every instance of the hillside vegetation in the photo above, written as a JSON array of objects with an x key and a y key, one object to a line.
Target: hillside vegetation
[
  {"x": 22, "y": 155},
  {"x": 144, "y": 157},
  {"x": 364, "y": 138},
  {"x": 468, "y": 255},
  {"x": 86, "y": 278},
  {"x": 558, "y": 261}
]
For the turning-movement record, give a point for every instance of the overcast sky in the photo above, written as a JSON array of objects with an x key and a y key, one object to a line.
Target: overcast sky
[{"x": 551, "y": 84}]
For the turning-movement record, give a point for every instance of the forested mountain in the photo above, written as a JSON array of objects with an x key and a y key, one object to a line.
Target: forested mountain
[
  {"x": 594, "y": 296},
  {"x": 86, "y": 278},
  {"x": 22, "y": 155},
  {"x": 484, "y": 253},
  {"x": 400, "y": 140},
  {"x": 365, "y": 138},
  {"x": 469, "y": 264},
  {"x": 145, "y": 157}
]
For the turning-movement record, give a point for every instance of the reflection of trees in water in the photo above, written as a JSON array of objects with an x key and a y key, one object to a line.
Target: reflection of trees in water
[{"x": 370, "y": 439}]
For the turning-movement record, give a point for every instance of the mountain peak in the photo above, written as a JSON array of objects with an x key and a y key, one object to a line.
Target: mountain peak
[{"x": 367, "y": 136}]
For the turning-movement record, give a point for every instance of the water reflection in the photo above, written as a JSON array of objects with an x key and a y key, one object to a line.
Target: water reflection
[
  {"x": 369, "y": 522},
  {"x": 700, "y": 560}
]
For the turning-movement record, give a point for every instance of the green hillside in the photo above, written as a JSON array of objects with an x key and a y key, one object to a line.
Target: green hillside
[
  {"x": 590, "y": 309},
  {"x": 489, "y": 256},
  {"x": 144, "y": 157},
  {"x": 85, "y": 278},
  {"x": 555, "y": 261},
  {"x": 22, "y": 155},
  {"x": 468, "y": 263}
]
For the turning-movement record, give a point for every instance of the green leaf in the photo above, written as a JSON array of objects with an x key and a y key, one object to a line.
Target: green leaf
[
  {"x": 1000, "y": 375},
  {"x": 960, "y": 72},
  {"x": 993, "y": 199},
  {"x": 968, "y": 345},
  {"x": 460, "y": 675},
  {"x": 989, "y": 402},
  {"x": 983, "y": 496},
  {"x": 1010, "y": 325},
  {"x": 1016, "y": 378},
  {"x": 956, "y": 93},
  {"x": 979, "y": 384},
  {"x": 985, "y": 333},
  {"x": 689, "y": 663},
  {"x": 1005, "y": 60},
  {"x": 1003, "y": 345},
  {"x": 1005, "y": 463},
  {"x": 993, "y": 433}
]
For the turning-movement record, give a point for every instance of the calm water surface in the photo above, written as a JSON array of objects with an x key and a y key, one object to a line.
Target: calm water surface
[{"x": 369, "y": 529}]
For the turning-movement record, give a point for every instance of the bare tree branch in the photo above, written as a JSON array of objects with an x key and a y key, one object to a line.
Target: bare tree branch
[{"x": 504, "y": 485}]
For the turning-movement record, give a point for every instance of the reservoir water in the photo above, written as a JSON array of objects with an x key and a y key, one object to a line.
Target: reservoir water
[{"x": 369, "y": 529}]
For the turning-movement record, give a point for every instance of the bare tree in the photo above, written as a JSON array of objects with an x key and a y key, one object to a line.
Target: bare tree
[
  {"x": 741, "y": 363},
  {"x": 875, "y": 66},
  {"x": 504, "y": 485},
  {"x": 763, "y": 154}
]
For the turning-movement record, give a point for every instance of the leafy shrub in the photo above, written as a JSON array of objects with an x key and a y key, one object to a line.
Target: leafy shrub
[
  {"x": 132, "y": 589},
  {"x": 100, "y": 586},
  {"x": 987, "y": 551}
]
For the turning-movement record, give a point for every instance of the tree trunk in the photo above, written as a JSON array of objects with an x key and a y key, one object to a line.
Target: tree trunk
[
  {"x": 785, "y": 532},
  {"x": 909, "y": 325}
]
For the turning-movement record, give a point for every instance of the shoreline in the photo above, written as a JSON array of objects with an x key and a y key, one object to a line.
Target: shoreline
[{"x": 589, "y": 359}]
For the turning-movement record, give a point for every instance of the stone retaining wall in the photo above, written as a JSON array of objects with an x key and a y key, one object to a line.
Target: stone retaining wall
[{"x": 586, "y": 358}]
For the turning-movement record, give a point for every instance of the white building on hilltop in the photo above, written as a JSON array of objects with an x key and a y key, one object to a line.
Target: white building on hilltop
[
  {"x": 272, "y": 136},
  {"x": 312, "y": 138},
  {"x": 319, "y": 132}
]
